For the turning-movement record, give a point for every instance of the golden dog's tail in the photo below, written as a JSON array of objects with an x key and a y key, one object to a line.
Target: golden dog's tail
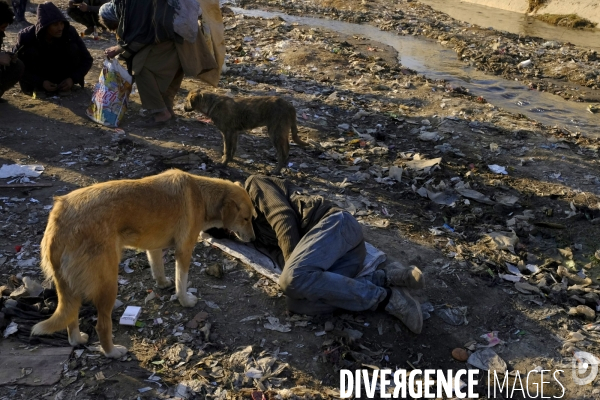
[
  {"x": 295, "y": 136},
  {"x": 69, "y": 302}
]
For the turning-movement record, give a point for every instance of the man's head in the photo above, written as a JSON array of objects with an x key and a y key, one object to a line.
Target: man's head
[
  {"x": 6, "y": 16},
  {"x": 55, "y": 30},
  {"x": 108, "y": 16}
]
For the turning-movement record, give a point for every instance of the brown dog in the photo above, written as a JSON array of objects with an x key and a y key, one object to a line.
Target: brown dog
[
  {"x": 89, "y": 227},
  {"x": 233, "y": 116}
]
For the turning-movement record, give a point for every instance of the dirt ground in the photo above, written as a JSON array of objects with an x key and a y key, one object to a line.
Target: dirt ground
[{"x": 363, "y": 114}]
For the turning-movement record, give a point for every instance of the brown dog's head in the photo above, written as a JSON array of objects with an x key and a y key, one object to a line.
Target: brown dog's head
[
  {"x": 194, "y": 102},
  {"x": 237, "y": 214}
]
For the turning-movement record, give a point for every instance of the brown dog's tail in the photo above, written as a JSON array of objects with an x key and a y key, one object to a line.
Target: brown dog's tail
[
  {"x": 68, "y": 301},
  {"x": 295, "y": 136}
]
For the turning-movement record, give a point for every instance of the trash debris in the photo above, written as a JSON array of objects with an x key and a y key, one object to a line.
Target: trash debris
[
  {"x": 13, "y": 327},
  {"x": 487, "y": 360},
  {"x": 18, "y": 170},
  {"x": 130, "y": 315},
  {"x": 275, "y": 325},
  {"x": 475, "y": 195},
  {"x": 502, "y": 240},
  {"x": 453, "y": 315},
  {"x": 492, "y": 339},
  {"x": 497, "y": 169}
]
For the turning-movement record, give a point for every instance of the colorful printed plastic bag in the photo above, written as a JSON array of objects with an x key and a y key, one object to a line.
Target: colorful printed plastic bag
[{"x": 111, "y": 93}]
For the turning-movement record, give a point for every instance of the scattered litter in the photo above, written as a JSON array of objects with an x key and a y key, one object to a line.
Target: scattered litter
[
  {"x": 487, "y": 360},
  {"x": 18, "y": 170},
  {"x": 502, "y": 240},
  {"x": 275, "y": 325},
  {"x": 453, "y": 315},
  {"x": 130, "y": 315},
  {"x": 497, "y": 169},
  {"x": 13, "y": 327},
  {"x": 492, "y": 339}
]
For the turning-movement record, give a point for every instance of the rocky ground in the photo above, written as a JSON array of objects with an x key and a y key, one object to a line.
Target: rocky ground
[{"x": 515, "y": 253}]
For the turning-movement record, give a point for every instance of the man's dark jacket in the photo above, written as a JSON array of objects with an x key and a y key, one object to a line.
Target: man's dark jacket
[{"x": 66, "y": 55}]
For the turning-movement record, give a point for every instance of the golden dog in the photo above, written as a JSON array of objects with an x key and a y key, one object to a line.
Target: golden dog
[
  {"x": 233, "y": 116},
  {"x": 89, "y": 227}
]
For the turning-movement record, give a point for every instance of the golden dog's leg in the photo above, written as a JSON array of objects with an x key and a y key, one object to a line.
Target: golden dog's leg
[
  {"x": 157, "y": 265},
  {"x": 183, "y": 256},
  {"x": 75, "y": 336},
  {"x": 103, "y": 296}
]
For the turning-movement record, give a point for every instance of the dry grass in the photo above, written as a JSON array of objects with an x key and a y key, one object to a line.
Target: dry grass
[{"x": 568, "y": 20}]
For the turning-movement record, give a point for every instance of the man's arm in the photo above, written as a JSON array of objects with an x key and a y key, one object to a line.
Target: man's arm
[{"x": 271, "y": 201}]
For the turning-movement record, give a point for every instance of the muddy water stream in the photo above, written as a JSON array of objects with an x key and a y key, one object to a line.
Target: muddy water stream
[
  {"x": 429, "y": 58},
  {"x": 514, "y": 22}
]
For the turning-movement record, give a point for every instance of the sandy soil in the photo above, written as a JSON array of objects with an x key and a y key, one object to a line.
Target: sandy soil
[
  {"x": 390, "y": 115},
  {"x": 589, "y": 9}
]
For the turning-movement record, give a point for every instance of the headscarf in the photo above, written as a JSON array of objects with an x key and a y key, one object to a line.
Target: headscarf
[{"x": 108, "y": 12}]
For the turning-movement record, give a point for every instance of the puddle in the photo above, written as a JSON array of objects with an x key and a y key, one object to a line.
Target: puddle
[
  {"x": 429, "y": 58},
  {"x": 513, "y": 22}
]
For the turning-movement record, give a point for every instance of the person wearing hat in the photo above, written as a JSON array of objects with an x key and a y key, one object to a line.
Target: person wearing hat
[{"x": 54, "y": 55}]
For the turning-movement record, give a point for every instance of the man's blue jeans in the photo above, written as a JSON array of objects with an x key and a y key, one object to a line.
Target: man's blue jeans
[{"x": 319, "y": 275}]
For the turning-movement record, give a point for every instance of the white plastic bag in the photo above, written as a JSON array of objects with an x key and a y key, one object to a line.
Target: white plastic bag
[{"x": 111, "y": 93}]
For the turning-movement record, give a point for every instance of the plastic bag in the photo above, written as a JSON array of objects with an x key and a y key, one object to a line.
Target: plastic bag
[{"x": 111, "y": 93}]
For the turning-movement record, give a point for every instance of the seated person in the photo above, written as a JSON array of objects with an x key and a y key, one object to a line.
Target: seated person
[
  {"x": 54, "y": 55},
  {"x": 86, "y": 13},
  {"x": 321, "y": 249},
  {"x": 11, "y": 68}
]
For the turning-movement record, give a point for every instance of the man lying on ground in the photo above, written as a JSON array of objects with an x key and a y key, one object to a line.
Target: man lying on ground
[
  {"x": 86, "y": 13},
  {"x": 11, "y": 69},
  {"x": 321, "y": 249},
  {"x": 54, "y": 55}
]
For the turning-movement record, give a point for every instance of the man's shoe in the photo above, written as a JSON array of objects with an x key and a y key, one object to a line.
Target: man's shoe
[
  {"x": 399, "y": 275},
  {"x": 408, "y": 310},
  {"x": 88, "y": 31}
]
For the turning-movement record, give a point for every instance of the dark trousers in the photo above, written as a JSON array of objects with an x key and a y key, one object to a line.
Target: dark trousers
[
  {"x": 320, "y": 274},
  {"x": 19, "y": 7},
  {"x": 10, "y": 75}
]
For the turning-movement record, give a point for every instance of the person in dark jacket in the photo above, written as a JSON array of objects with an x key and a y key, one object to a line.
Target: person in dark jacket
[
  {"x": 322, "y": 250},
  {"x": 11, "y": 68},
  {"x": 54, "y": 55},
  {"x": 86, "y": 13}
]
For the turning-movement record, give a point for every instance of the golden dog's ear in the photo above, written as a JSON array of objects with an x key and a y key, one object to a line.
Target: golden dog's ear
[{"x": 239, "y": 184}]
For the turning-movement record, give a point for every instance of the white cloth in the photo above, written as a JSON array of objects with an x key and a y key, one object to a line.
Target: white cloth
[{"x": 185, "y": 22}]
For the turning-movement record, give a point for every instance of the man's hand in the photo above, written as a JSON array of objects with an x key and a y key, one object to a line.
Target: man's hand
[
  {"x": 112, "y": 52},
  {"x": 83, "y": 6},
  {"x": 49, "y": 86},
  {"x": 5, "y": 59},
  {"x": 65, "y": 85}
]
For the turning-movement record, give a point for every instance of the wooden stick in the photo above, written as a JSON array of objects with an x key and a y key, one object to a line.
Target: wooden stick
[{"x": 25, "y": 185}]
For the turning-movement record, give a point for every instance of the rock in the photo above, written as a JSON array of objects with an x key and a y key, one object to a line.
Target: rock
[
  {"x": 328, "y": 326},
  {"x": 585, "y": 311},
  {"x": 460, "y": 354},
  {"x": 215, "y": 270}
]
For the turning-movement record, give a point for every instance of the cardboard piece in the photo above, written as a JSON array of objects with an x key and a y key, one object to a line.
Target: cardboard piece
[{"x": 34, "y": 367}]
